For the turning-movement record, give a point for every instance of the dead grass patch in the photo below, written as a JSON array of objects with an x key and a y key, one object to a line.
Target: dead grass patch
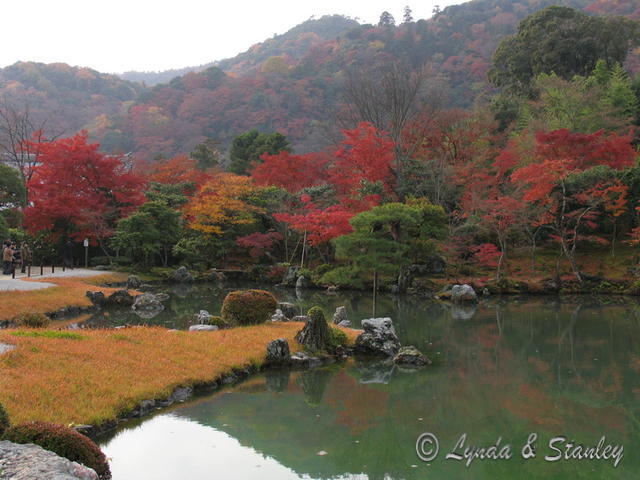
[{"x": 105, "y": 373}]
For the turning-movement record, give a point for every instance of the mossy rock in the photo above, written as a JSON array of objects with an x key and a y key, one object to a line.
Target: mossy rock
[
  {"x": 315, "y": 334},
  {"x": 248, "y": 307},
  {"x": 62, "y": 440}
]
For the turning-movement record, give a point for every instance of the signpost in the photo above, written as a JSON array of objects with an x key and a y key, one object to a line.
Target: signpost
[{"x": 86, "y": 253}]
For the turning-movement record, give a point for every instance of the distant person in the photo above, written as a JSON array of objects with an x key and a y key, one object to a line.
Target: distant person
[
  {"x": 68, "y": 254},
  {"x": 25, "y": 255},
  {"x": 7, "y": 258},
  {"x": 17, "y": 258}
]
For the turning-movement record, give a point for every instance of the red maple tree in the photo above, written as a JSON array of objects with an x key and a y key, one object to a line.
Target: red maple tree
[{"x": 79, "y": 192}]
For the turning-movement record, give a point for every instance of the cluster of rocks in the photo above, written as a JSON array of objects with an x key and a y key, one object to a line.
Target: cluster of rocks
[
  {"x": 203, "y": 318},
  {"x": 23, "y": 462},
  {"x": 379, "y": 339}
]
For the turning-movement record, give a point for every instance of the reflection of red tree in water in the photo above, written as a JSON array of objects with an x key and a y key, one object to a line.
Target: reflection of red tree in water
[{"x": 358, "y": 407}]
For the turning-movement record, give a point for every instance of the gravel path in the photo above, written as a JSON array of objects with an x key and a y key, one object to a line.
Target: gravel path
[{"x": 20, "y": 283}]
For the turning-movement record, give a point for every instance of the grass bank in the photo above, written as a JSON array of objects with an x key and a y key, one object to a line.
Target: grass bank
[
  {"x": 93, "y": 376},
  {"x": 68, "y": 292}
]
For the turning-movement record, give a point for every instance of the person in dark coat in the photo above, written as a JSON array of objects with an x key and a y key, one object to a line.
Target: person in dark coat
[
  {"x": 7, "y": 258},
  {"x": 68, "y": 254},
  {"x": 25, "y": 255}
]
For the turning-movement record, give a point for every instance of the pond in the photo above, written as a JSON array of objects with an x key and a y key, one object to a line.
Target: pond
[{"x": 555, "y": 367}]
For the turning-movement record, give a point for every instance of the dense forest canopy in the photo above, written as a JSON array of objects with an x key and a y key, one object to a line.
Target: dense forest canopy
[{"x": 292, "y": 83}]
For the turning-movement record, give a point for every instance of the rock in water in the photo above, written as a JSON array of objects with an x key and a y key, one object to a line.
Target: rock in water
[
  {"x": 147, "y": 302},
  {"x": 203, "y": 317},
  {"x": 315, "y": 333},
  {"x": 463, "y": 293},
  {"x": 291, "y": 275},
  {"x": 289, "y": 310},
  {"x": 278, "y": 352},
  {"x": 203, "y": 328},
  {"x": 121, "y": 298},
  {"x": 340, "y": 315},
  {"x": 182, "y": 275},
  {"x": 97, "y": 298},
  {"x": 379, "y": 338},
  {"x": 302, "y": 282},
  {"x": 411, "y": 356},
  {"x": 133, "y": 281},
  {"x": 278, "y": 316},
  {"x": 33, "y": 462}
]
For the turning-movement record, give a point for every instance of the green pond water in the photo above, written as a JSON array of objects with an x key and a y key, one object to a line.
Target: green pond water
[{"x": 566, "y": 367}]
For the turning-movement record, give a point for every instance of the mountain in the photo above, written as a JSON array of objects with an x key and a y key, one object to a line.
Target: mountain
[
  {"x": 291, "y": 83},
  {"x": 66, "y": 98},
  {"x": 153, "y": 78}
]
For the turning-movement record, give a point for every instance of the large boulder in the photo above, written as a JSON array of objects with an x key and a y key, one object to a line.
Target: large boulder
[
  {"x": 302, "y": 282},
  {"x": 410, "y": 356},
  {"x": 278, "y": 352},
  {"x": 97, "y": 298},
  {"x": 120, "y": 298},
  {"x": 148, "y": 302},
  {"x": 133, "y": 282},
  {"x": 378, "y": 339},
  {"x": 34, "y": 462},
  {"x": 182, "y": 275},
  {"x": 463, "y": 293},
  {"x": 340, "y": 315},
  {"x": 315, "y": 333},
  {"x": 291, "y": 275}
]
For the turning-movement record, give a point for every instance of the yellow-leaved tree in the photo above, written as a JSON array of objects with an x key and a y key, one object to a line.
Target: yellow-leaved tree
[{"x": 222, "y": 202}]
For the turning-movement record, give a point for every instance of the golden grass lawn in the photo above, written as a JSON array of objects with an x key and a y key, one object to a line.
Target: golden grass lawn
[
  {"x": 68, "y": 292},
  {"x": 106, "y": 373}
]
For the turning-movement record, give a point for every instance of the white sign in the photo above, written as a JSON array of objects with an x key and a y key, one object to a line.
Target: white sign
[{"x": 86, "y": 242}]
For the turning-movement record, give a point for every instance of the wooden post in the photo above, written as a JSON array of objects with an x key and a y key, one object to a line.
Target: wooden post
[
  {"x": 304, "y": 247},
  {"x": 41, "y": 269},
  {"x": 29, "y": 270},
  {"x": 13, "y": 272},
  {"x": 53, "y": 268},
  {"x": 375, "y": 291}
]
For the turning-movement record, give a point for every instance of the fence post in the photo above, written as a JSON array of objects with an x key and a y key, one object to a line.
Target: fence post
[
  {"x": 41, "y": 269},
  {"x": 53, "y": 268},
  {"x": 28, "y": 270}
]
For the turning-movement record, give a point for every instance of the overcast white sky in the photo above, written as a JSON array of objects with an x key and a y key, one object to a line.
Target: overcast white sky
[{"x": 119, "y": 35}]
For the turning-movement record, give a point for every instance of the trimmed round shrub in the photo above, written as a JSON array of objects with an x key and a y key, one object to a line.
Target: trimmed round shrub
[
  {"x": 33, "y": 320},
  {"x": 4, "y": 420},
  {"x": 248, "y": 307},
  {"x": 63, "y": 441}
]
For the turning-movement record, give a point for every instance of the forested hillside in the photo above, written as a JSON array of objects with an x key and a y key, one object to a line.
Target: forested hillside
[{"x": 292, "y": 83}]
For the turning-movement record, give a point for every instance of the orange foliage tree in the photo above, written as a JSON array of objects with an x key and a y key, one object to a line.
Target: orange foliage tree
[
  {"x": 221, "y": 203},
  {"x": 177, "y": 170}
]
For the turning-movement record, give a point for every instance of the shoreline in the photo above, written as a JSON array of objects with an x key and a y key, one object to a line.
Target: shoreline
[{"x": 96, "y": 378}]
